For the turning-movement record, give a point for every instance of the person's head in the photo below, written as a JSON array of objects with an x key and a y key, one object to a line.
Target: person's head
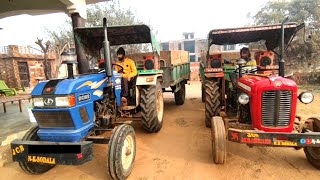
[
  {"x": 121, "y": 54},
  {"x": 245, "y": 53}
]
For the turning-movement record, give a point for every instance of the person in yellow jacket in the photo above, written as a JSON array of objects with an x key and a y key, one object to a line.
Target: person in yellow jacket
[{"x": 128, "y": 72}]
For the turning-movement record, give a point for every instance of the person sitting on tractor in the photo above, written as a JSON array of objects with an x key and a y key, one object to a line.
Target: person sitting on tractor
[
  {"x": 128, "y": 72},
  {"x": 246, "y": 55}
]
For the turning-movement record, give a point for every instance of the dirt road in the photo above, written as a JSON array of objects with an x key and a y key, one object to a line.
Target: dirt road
[{"x": 182, "y": 150}]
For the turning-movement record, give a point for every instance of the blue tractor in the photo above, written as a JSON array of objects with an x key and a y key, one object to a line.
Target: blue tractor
[{"x": 75, "y": 112}]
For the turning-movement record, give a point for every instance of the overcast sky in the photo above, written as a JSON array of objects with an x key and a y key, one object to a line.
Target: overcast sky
[{"x": 169, "y": 17}]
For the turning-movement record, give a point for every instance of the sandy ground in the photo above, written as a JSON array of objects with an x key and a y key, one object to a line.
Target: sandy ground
[{"x": 182, "y": 150}]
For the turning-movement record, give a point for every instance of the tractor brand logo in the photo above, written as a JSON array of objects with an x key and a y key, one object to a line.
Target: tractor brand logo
[
  {"x": 252, "y": 135},
  {"x": 48, "y": 101},
  {"x": 17, "y": 150},
  {"x": 277, "y": 83},
  {"x": 41, "y": 159},
  {"x": 285, "y": 143},
  {"x": 83, "y": 97},
  {"x": 309, "y": 141}
]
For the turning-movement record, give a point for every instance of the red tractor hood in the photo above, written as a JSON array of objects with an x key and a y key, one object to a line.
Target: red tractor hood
[
  {"x": 251, "y": 83},
  {"x": 272, "y": 103}
]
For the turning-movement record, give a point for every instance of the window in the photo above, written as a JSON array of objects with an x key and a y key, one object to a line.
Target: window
[
  {"x": 165, "y": 46},
  {"x": 192, "y": 58},
  {"x": 189, "y": 46},
  {"x": 192, "y": 36}
]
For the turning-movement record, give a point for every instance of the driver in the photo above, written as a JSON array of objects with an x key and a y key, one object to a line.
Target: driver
[
  {"x": 246, "y": 55},
  {"x": 128, "y": 72}
]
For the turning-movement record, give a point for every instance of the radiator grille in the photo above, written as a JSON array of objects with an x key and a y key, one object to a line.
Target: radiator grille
[
  {"x": 276, "y": 108},
  {"x": 53, "y": 119}
]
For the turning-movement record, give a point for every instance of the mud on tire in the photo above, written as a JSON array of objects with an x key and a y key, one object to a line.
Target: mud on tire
[
  {"x": 34, "y": 168},
  {"x": 121, "y": 152},
  {"x": 152, "y": 107},
  {"x": 212, "y": 103}
]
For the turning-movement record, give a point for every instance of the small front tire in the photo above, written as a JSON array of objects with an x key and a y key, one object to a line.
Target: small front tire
[
  {"x": 121, "y": 152},
  {"x": 219, "y": 140}
]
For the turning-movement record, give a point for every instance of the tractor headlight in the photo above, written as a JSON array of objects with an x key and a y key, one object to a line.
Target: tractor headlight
[
  {"x": 306, "y": 97},
  {"x": 65, "y": 101},
  {"x": 37, "y": 102},
  {"x": 243, "y": 99}
]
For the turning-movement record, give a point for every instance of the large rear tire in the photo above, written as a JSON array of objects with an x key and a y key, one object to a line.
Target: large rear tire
[
  {"x": 34, "y": 168},
  {"x": 219, "y": 140},
  {"x": 152, "y": 107},
  {"x": 180, "y": 96},
  {"x": 203, "y": 93},
  {"x": 313, "y": 153},
  {"x": 121, "y": 152},
  {"x": 212, "y": 103}
]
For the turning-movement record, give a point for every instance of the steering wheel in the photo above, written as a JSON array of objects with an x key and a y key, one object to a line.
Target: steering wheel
[
  {"x": 245, "y": 69},
  {"x": 121, "y": 70}
]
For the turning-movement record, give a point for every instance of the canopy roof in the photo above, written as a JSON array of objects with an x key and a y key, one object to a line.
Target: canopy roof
[
  {"x": 270, "y": 33},
  {"x": 92, "y": 38}
]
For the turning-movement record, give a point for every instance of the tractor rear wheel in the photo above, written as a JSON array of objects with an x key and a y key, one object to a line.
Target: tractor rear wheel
[
  {"x": 180, "y": 96},
  {"x": 203, "y": 93},
  {"x": 152, "y": 107},
  {"x": 212, "y": 103},
  {"x": 121, "y": 152},
  {"x": 34, "y": 168},
  {"x": 313, "y": 153},
  {"x": 219, "y": 140}
]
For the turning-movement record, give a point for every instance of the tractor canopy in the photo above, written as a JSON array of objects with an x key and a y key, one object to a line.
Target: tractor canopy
[
  {"x": 91, "y": 38},
  {"x": 270, "y": 33}
]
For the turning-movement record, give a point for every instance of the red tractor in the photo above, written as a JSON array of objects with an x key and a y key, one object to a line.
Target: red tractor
[{"x": 260, "y": 104}]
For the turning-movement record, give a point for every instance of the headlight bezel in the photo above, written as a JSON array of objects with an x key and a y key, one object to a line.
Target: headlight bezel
[
  {"x": 58, "y": 101},
  {"x": 302, "y": 97},
  {"x": 243, "y": 98}
]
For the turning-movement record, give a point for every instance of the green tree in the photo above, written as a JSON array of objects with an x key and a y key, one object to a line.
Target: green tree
[{"x": 299, "y": 54}]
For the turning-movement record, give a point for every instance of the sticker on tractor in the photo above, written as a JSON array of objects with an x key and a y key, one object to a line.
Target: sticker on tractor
[
  {"x": 252, "y": 135},
  {"x": 83, "y": 97},
  {"x": 255, "y": 140},
  {"x": 285, "y": 143},
  {"x": 42, "y": 159},
  {"x": 310, "y": 141},
  {"x": 234, "y": 136},
  {"x": 17, "y": 150}
]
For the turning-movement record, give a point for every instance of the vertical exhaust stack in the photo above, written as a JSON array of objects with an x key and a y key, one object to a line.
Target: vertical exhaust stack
[
  {"x": 106, "y": 45},
  {"x": 281, "y": 62}
]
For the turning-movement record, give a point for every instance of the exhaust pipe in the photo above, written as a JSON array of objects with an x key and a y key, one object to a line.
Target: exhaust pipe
[
  {"x": 281, "y": 62},
  {"x": 106, "y": 45}
]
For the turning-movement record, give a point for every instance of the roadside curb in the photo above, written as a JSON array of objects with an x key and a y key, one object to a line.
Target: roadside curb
[{"x": 5, "y": 152}]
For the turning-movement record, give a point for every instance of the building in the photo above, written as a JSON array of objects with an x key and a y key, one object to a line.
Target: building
[{"x": 187, "y": 43}]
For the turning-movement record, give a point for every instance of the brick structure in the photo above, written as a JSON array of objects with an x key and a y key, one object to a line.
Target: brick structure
[{"x": 21, "y": 66}]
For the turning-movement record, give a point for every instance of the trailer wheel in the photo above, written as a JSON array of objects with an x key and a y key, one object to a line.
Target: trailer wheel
[
  {"x": 180, "y": 96},
  {"x": 121, "y": 152},
  {"x": 203, "y": 93},
  {"x": 212, "y": 103},
  {"x": 34, "y": 168},
  {"x": 219, "y": 140},
  {"x": 152, "y": 107},
  {"x": 313, "y": 153}
]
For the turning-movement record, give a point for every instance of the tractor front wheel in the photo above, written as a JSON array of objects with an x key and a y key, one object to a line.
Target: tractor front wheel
[
  {"x": 152, "y": 107},
  {"x": 219, "y": 140},
  {"x": 34, "y": 168},
  {"x": 212, "y": 104},
  {"x": 313, "y": 153},
  {"x": 121, "y": 152}
]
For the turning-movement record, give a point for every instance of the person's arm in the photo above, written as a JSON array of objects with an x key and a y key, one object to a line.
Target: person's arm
[{"x": 134, "y": 71}]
